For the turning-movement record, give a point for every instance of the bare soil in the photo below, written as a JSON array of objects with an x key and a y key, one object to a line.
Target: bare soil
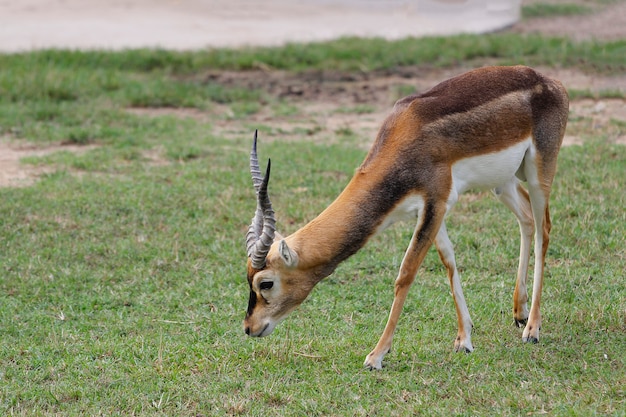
[
  {"x": 331, "y": 102},
  {"x": 13, "y": 173}
]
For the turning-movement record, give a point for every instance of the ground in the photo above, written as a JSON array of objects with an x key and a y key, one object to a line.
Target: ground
[
  {"x": 322, "y": 96},
  {"x": 607, "y": 23}
]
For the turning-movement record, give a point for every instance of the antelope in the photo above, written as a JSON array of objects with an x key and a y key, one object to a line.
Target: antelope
[{"x": 490, "y": 128}]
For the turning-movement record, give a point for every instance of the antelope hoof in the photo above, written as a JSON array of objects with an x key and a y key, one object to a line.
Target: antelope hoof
[
  {"x": 372, "y": 362},
  {"x": 463, "y": 345},
  {"x": 463, "y": 348},
  {"x": 521, "y": 322},
  {"x": 530, "y": 334}
]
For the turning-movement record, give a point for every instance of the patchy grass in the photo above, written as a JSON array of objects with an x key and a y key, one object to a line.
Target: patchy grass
[
  {"x": 122, "y": 284},
  {"x": 124, "y": 293}
]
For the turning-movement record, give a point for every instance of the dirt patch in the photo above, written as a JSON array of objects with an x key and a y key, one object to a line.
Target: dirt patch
[
  {"x": 13, "y": 173},
  {"x": 377, "y": 87},
  {"x": 328, "y": 105},
  {"x": 597, "y": 117},
  {"x": 332, "y": 104}
]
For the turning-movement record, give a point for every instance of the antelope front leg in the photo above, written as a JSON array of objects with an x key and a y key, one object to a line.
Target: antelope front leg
[
  {"x": 375, "y": 359},
  {"x": 423, "y": 238}
]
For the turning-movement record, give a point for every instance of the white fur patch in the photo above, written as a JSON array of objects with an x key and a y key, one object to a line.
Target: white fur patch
[
  {"x": 490, "y": 170},
  {"x": 480, "y": 172}
]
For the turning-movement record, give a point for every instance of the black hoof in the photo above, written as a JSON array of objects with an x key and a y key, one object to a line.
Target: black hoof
[
  {"x": 531, "y": 339},
  {"x": 521, "y": 323}
]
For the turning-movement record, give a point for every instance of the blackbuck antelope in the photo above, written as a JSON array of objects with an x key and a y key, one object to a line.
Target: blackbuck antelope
[{"x": 491, "y": 128}]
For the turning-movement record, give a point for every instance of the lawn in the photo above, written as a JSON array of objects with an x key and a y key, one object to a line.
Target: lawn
[{"x": 122, "y": 268}]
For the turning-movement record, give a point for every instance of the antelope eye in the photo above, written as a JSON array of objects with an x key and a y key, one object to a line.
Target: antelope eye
[{"x": 266, "y": 285}]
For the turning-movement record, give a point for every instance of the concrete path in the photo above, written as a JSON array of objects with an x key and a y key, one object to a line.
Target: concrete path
[{"x": 193, "y": 24}]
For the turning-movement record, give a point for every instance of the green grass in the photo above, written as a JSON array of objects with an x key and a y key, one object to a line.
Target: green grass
[
  {"x": 596, "y": 95},
  {"x": 122, "y": 286},
  {"x": 106, "y": 69},
  {"x": 125, "y": 293},
  {"x": 552, "y": 10}
]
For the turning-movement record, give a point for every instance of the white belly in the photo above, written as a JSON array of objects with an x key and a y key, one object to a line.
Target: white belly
[
  {"x": 490, "y": 170},
  {"x": 479, "y": 172}
]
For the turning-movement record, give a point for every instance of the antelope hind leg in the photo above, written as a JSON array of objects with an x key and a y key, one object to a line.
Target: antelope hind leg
[
  {"x": 463, "y": 341},
  {"x": 516, "y": 198}
]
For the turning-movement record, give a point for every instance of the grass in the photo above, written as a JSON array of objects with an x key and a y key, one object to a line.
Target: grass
[
  {"x": 108, "y": 70},
  {"x": 552, "y": 10},
  {"x": 596, "y": 95},
  {"x": 122, "y": 284}
]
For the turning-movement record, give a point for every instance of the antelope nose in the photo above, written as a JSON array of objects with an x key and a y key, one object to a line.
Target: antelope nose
[{"x": 247, "y": 330}]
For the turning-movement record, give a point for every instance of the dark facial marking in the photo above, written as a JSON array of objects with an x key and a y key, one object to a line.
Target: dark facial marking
[{"x": 251, "y": 302}]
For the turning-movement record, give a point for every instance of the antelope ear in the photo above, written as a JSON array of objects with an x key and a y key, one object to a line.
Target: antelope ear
[{"x": 289, "y": 257}]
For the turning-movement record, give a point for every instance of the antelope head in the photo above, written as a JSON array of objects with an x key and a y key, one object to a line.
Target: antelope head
[{"x": 273, "y": 273}]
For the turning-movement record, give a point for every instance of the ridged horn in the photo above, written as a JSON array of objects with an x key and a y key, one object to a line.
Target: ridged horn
[
  {"x": 256, "y": 228},
  {"x": 257, "y": 179},
  {"x": 262, "y": 230}
]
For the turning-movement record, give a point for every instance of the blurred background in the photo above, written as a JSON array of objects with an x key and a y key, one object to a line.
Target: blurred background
[{"x": 185, "y": 24}]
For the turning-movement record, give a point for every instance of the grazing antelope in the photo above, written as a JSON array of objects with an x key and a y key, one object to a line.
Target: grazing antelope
[{"x": 490, "y": 128}]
